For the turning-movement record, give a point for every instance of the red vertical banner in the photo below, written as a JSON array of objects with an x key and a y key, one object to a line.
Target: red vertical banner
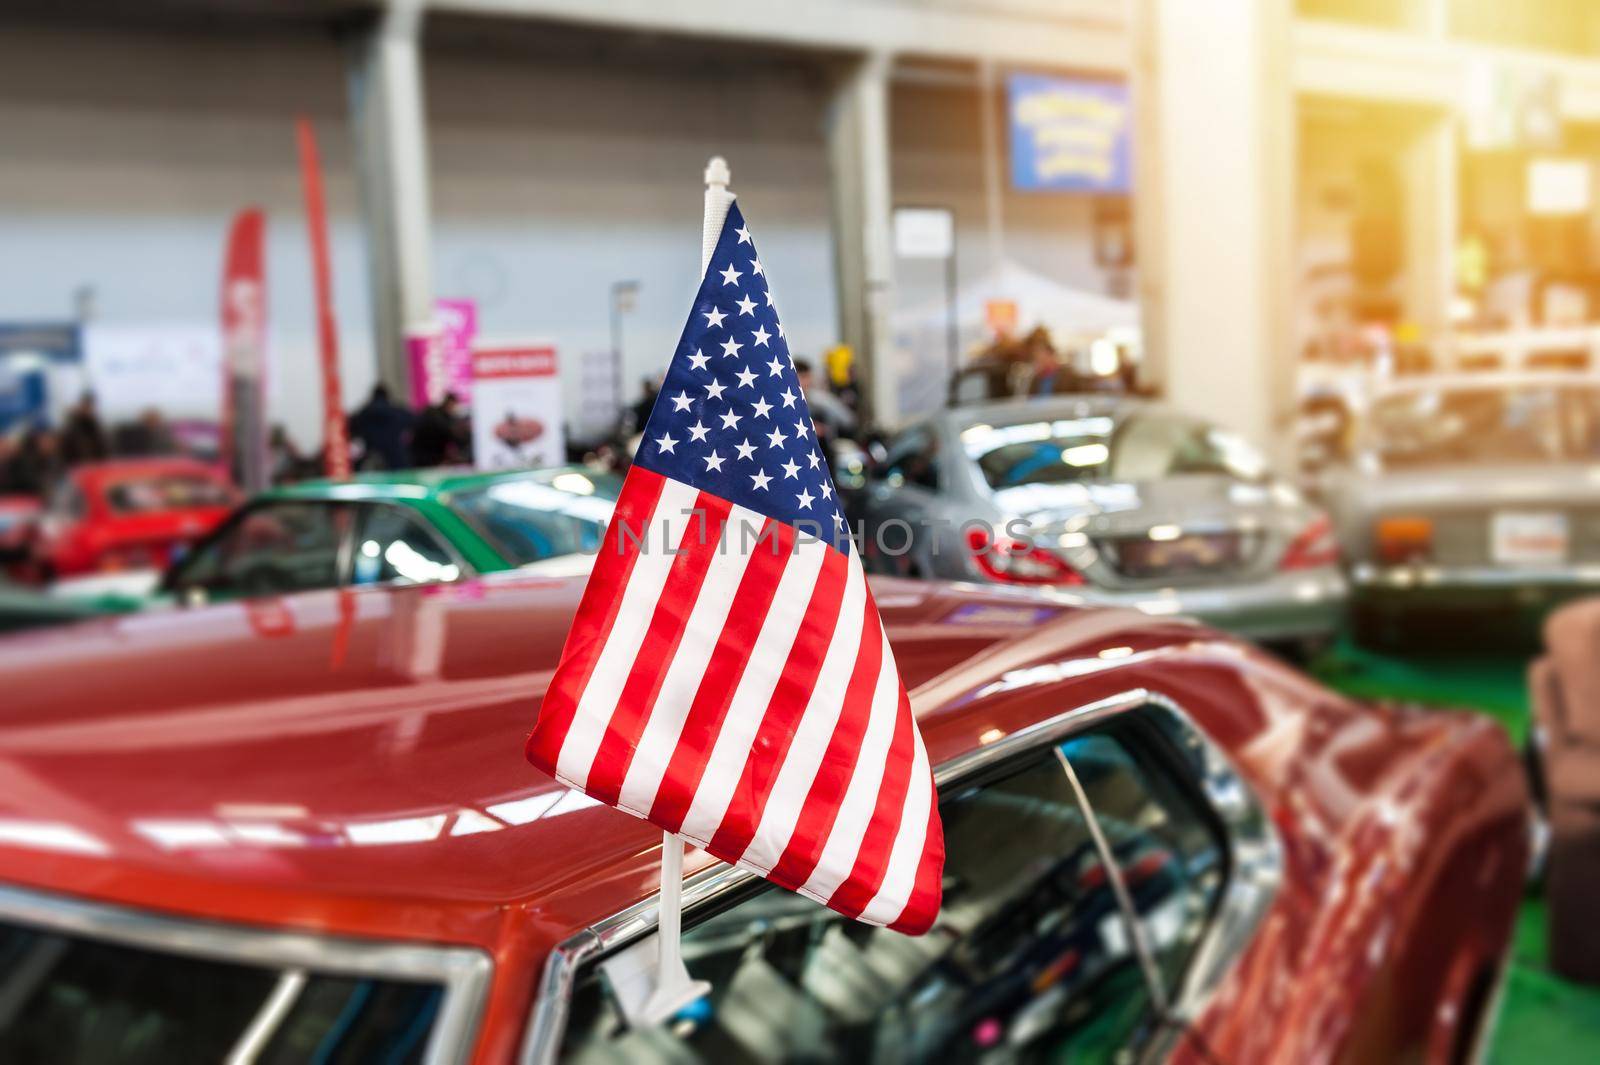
[
  {"x": 244, "y": 347},
  {"x": 335, "y": 438}
]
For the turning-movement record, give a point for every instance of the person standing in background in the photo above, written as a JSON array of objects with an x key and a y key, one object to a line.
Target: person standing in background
[
  {"x": 83, "y": 438},
  {"x": 383, "y": 428},
  {"x": 442, "y": 437},
  {"x": 37, "y": 464}
]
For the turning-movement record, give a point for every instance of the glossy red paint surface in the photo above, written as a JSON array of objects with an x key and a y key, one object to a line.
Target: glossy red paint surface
[
  {"x": 352, "y": 762},
  {"x": 99, "y": 536}
]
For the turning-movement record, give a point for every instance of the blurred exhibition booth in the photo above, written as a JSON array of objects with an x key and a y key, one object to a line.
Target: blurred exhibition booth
[{"x": 1251, "y": 199}]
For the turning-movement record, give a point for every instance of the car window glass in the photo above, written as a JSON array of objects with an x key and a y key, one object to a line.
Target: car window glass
[
  {"x": 543, "y": 515},
  {"x": 76, "y": 1001},
  {"x": 1532, "y": 423},
  {"x": 148, "y": 495},
  {"x": 392, "y": 545},
  {"x": 1141, "y": 447},
  {"x": 68, "y": 503},
  {"x": 913, "y": 458},
  {"x": 1030, "y": 959},
  {"x": 270, "y": 549}
]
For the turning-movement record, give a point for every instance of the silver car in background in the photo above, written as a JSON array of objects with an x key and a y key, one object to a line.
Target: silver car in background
[
  {"x": 1470, "y": 498},
  {"x": 1109, "y": 499}
]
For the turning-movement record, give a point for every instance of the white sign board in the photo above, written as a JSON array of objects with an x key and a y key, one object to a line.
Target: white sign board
[
  {"x": 516, "y": 407},
  {"x": 924, "y": 232},
  {"x": 1558, "y": 186},
  {"x": 175, "y": 367}
]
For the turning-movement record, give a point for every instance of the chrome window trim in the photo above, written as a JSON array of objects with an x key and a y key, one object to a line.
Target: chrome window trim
[
  {"x": 463, "y": 971},
  {"x": 1254, "y": 851}
]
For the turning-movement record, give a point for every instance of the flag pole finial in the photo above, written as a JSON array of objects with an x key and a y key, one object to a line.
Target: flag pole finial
[{"x": 718, "y": 200}]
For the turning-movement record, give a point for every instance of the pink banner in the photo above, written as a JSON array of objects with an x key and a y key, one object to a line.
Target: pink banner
[{"x": 441, "y": 361}]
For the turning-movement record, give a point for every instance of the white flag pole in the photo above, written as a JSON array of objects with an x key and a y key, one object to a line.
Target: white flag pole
[{"x": 674, "y": 989}]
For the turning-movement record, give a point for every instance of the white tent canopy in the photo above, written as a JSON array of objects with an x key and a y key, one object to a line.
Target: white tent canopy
[{"x": 921, "y": 331}]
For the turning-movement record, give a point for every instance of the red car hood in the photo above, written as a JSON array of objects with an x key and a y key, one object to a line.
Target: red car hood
[{"x": 355, "y": 746}]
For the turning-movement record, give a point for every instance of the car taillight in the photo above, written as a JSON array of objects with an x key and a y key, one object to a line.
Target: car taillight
[
  {"x": 1010, "y": 561},
  {"x": 1402, "y": 540},
  {"x": 1316, "y": 546}
]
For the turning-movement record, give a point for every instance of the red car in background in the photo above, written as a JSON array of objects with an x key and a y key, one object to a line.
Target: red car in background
[
  {"x": 127, "y": 514},
  {"x": 302, "y": 829}
]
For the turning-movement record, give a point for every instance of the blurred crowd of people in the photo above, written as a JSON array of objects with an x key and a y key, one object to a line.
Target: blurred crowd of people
[
  {"x": 383, "y": 435},
  {"x": 32, "y": 459}
]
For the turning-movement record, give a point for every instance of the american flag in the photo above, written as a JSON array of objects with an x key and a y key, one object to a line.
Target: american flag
[{"x": 727, "y": 676}]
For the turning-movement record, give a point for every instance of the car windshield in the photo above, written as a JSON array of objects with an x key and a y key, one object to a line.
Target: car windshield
[
  {"x": 1143, "y": 446},
  {"x": 146, "y": 495},
  {"x": 1528, "y": 423},
  {"x": 77, "y": 1001},
  {"x": 543, "y": 515}
]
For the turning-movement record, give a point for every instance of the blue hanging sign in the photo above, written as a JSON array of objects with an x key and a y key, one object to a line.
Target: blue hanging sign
[{"x": 1069, "y": 134}]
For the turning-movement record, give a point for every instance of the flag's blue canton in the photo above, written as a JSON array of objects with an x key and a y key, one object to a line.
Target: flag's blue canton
[{"x": 731, "y": 419}]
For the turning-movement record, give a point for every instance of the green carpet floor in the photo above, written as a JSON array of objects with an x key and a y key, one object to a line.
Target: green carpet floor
[{"x": 1543, "y": 1019}]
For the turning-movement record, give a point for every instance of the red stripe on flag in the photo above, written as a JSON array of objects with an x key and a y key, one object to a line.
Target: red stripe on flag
[
  {"x": 703, "y": 723},
  {"x": 821, "y": 806},
  {"x": 872, "y": 860},
  {"x": 597, "y": 611},
  {"x": 923, "y": 906},
  {"x": 789, "y": 698},
  {"x": 697, "y": 550}
]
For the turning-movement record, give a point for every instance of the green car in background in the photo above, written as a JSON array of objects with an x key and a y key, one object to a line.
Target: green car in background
[{"x": 407, "y": 527}]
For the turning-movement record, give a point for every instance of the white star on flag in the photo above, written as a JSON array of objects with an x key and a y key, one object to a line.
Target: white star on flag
[
  {"x": 715, "y": 389},
  {"x": 697, "y": 432},
  {"x": 698, "y": 361},
  {"x": 762, "y": 336},
  {"x": 761, "y": 479},
  {"x": 775, "y": 438},
  {"x": 681, "y": 401},
  {"x": 790, "y": 469},
  {"x": 666, "y": 443},
  {"x": 714, "y": 318},
  {"x": 730, "y": 348},
  {"x": 745, "y": 448},
  {"x": 713, "y": 462},
  {"x": 805, "y": 499},
  {"x": 730, "y": 420},
  {"x": 762, "y": 406},
  {"x": 730, "y": 276},
  {"x": 747, "y": 378},
  {"x": 746, "y": 305}
]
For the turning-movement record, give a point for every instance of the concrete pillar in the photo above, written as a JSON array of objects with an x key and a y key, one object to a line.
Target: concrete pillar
[
  {"x": 1214, "y": 208},
  {"x": 1430, "y": 174},
  {"x": 858, "y": 161},
  {"x": 390, "y": 126}
]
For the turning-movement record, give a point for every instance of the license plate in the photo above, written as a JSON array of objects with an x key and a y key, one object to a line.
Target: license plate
[{"x": 1528, "y": 538}]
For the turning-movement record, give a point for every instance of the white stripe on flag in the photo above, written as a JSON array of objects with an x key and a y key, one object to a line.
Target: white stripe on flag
[
  {"x": 814, "y": 729},
  {"x": 900, "y": 877},
  {"x": 861, "y": 797},
  {"x": 616, "y": 658},
  {"x": 749, "y": 704},
  {"x": 701, "y": 632}
]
